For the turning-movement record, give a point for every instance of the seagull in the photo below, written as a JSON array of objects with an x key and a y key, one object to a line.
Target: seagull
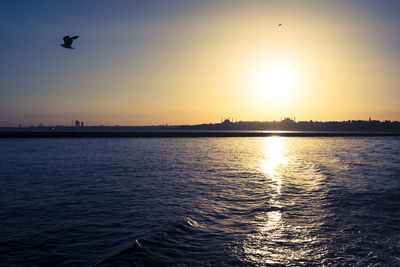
[
  {"x": 280, "y": 24},
  {"x": 68, "y": 41}
]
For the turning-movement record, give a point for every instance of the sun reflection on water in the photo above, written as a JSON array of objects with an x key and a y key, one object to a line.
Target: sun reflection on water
[
  {"x": 284, "y": 224},
  {"x": 269, "y": 223},
  {"x": 274, "y": 158}
]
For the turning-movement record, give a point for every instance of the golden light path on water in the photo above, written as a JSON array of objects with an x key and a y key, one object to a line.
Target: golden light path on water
[
  {"x": 281, "y": 238},
  {"x": 274, "y": 157}
]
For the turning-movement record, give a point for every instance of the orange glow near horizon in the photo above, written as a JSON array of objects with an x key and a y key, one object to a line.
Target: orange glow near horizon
[
  {"x": 301, "y": 69},
  {"x": 218, "y": 62}
]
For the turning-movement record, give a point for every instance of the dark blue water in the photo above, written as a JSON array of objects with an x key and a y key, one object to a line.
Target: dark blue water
[{"x": 200, "y": 201}]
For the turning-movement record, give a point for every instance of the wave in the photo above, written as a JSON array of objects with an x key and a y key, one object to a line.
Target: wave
[{"x": 184, "y": 242}]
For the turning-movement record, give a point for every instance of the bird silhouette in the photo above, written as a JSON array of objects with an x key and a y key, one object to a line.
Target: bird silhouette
[
  {"x": 280, "y": 24},
  {"x": 68, "y": 41}
]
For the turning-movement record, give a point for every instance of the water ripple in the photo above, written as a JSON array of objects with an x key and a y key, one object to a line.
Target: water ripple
[{"x": 203, "y": 201}]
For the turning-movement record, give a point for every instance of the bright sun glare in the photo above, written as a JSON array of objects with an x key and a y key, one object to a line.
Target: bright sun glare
[{"x": 274, "y": 82}]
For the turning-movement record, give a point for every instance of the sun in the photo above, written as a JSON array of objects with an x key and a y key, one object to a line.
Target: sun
[{"x": 274, "y": 82}]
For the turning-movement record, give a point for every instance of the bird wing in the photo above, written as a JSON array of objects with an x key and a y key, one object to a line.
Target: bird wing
[
  {"x": 65, "y": 38},
  {"x": 75, "y": 37}
]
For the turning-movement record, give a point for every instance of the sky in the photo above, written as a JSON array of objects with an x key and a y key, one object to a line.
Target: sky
[{"x": 187, "y": 62}]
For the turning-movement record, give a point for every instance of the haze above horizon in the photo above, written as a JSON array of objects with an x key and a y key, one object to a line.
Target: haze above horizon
[{"x": 189, "y": 62}]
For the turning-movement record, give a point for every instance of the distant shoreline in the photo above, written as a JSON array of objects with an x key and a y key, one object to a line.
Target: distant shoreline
[
  {"x": 287, "y": 124},
  {"x": 180, "y": 134}
]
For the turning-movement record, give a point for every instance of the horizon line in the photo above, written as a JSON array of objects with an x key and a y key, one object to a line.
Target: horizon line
[{"x": 286, "y": 119}]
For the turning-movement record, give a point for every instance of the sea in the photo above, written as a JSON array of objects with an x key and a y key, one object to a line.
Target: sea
[{"x": 247, "y": 201}]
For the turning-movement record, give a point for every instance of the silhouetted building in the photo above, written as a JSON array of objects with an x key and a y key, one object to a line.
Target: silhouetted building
[
  {"x": 81, "y": 123},
  {"x": 77, "y": 123}
]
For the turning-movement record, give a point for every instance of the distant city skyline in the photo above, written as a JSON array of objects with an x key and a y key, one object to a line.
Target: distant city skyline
[
  {"x": 223, "y": 121},
  {"x": 189, "y": 62}
]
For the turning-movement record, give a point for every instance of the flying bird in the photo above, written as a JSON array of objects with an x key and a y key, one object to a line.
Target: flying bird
[
  {"x": 280, "y": 24},
  {"x": 68, "y": 41}
]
